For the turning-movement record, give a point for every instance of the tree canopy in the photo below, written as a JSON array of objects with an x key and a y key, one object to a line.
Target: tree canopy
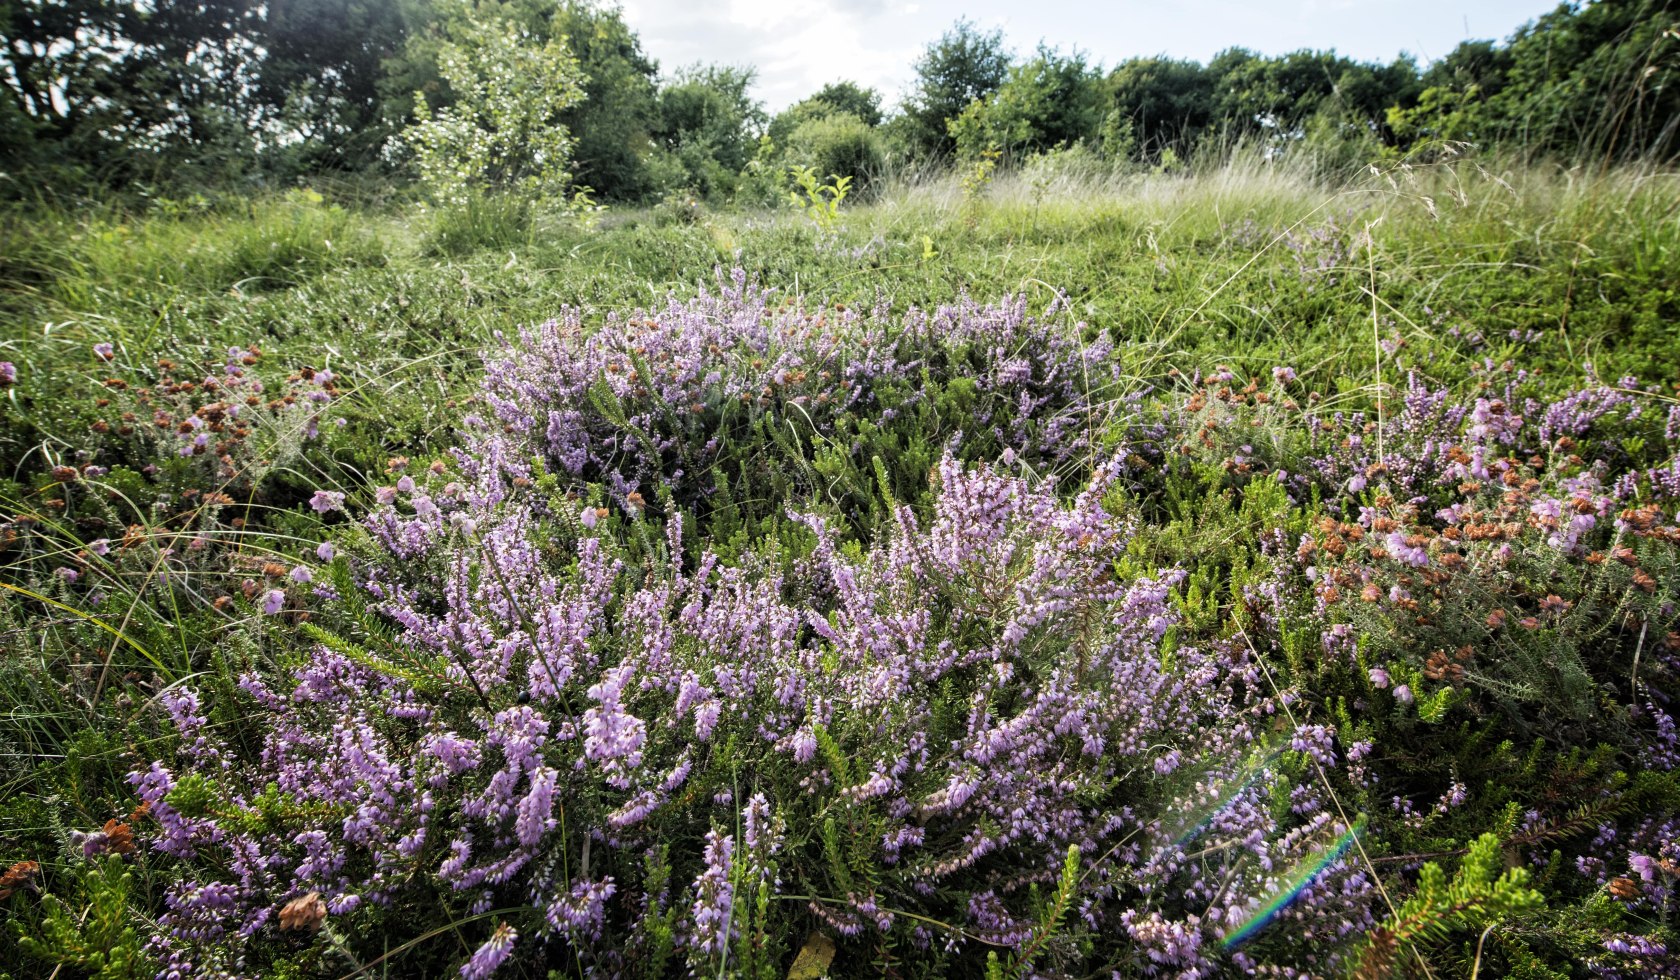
[{"x": 120, "y": 93}]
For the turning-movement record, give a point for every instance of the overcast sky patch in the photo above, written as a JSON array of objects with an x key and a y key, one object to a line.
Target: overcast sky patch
[{"x": 800, "y": 45}]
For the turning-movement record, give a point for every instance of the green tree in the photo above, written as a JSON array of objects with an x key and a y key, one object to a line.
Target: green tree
[
  {"x": 837, "y": 144},
  {"x": 1336, "y": 103},
  {"x": 1162, "y": 103},
  {"x": 1483, "y": 64},
  {"x": 134, "y": 90},
  {"x": 709, "y": 124},
  {"x": 615, "y": 122},
  {"x": 1594, "y": 79},
  {"x": 612, "y": 126},
  {"x": 965, "y": 64},
  {"x": 319, "y": 81},
  {"x": 1271, "y": 95},
  {"x": 863, "y": 104},
  {"x": 1051, "y": 100},
  {"x": 850, "y": 97},
  {"x": 502, "y": 127}
]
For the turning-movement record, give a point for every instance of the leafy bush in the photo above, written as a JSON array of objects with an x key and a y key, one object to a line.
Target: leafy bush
[
  {"x": 502, "y": 130},
  {"x": 838, "y": 144}
]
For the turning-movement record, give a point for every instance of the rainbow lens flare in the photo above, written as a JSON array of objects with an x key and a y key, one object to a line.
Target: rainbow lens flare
[
  {"x": 1192, "y": 824},
  {"x": 1299, "y": 878}
]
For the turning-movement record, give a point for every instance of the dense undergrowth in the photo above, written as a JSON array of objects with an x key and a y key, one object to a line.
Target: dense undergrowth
[{"x": 1181, "y": 576}]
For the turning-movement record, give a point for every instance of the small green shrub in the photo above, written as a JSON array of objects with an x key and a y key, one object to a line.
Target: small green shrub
[{"x": 838, "y": 144}]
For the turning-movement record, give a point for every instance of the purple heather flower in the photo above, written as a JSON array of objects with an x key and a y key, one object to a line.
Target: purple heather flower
[
  {"x": 1379, "y": 678},
  {"x": 491, "y": 955},
  {"x": 457, "y": 754},
  {"x": 1283, "y": 375},
  {"x": 325, "y": 551},
  {"x": 302, "y": 575},
  {"x": 273, "y": 601},
  {"x": 69, "y": 575},
  {"x": 8, "y": 374},
  {"x": 536, "y": 808},
  {"x": 325, "y": 501},
  {"x": 105, "y": 352},
  {"x": 91, "y": 844},
  {"x": 1405, "y": 552},
  {"x": 714, "y": 895},
  {"x": 582, "y": 913}
]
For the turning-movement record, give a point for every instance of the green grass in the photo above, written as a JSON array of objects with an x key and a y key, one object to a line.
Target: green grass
[{"x": 401, "y": 298}]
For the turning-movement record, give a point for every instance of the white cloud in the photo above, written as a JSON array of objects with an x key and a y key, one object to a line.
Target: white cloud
[{"x": 797, "y": 45}]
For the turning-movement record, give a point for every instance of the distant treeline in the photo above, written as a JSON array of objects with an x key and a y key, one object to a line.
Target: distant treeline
[{"x": 165, "y": 93}]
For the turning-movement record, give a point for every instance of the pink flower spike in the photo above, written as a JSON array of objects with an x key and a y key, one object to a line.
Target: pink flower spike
[{"x": 325, "y": 501}]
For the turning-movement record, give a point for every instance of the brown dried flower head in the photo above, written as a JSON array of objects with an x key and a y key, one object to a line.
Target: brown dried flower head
[
  {"x": 17, "y": 876},
  {"x": 304, "y": 913}
]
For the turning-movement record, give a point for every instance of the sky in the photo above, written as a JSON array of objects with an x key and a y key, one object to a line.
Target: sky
[{"x": 800, "y": 45}]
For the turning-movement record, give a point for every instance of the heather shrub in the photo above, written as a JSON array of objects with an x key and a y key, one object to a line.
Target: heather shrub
[
  {"x": 969, "y": 715},
  {"x": 236, "y": 426},
  {"x": 994, "y": 660},
  {"x": 729, "y": 405},
  {"x": 976, "y": 727},
  {"x": 1476, "y": 588},
  {"x": 196, "y": 422},
  {"x": 638, "y": 761},
  {"x": 1519, "y": 548},
  {"x": 1180, "y": 712},
  {"x": 128, "y": 558}
]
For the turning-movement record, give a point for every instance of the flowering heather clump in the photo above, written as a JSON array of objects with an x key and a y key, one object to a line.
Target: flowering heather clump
[
  {"x": 737, "y": 623},
  {"x": 1456, "y": 579},
  {"x": 1512, "y": 548},
  {"x": 162, "y": 495},
  {"x": 236, "y": 422},
  {"x": 1322, "y": 252},
  {"x": 916, "y": 735},
  {"x": 713, "y": 406}
]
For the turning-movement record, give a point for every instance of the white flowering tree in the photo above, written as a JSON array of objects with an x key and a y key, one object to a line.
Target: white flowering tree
[{"x": 503, "y": 128}]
